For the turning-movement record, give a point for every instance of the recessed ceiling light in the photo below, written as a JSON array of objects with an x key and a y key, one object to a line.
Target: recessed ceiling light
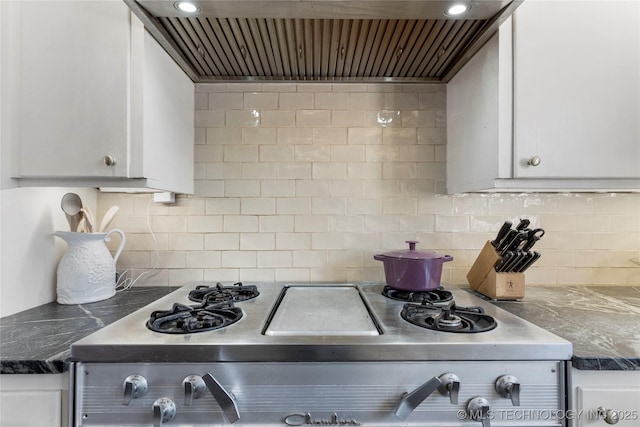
[
  {"x": 457, "y": 9},
  {"x": 187, "y": 7}
]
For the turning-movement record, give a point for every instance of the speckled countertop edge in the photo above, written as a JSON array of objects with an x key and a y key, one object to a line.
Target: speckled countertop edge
[
  {"x": 38, "y": 340},
  {"x": 602, "y": 322}
]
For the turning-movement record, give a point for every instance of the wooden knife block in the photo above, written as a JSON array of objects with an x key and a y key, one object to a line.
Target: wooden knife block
[{"x": 483, "y": 277}]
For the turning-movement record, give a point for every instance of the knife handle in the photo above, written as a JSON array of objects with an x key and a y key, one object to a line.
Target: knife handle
[
  {"x": 533, "y": 259},
  {"x": 508, "y": 238},
  {"x": 524, "y": 223},
  {"x": 504, "y": 230}
]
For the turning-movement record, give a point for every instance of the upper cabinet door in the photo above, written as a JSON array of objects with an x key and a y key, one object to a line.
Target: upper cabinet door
[
  {"x": 73, "y": 76},
  {"x": 577, "y": 89}
]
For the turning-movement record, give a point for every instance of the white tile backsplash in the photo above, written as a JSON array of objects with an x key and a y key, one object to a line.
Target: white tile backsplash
[{"x": 306, "y": 182}]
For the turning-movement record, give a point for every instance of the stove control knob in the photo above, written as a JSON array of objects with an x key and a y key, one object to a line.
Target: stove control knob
[
  {"x": 134, "y": 386},
  {"x": 410, "y": 401},
  {"x": 609, "y": 416},
  {"x": 194, "y": 387},
  {"x": 509, "y": 386},
  {"x": 450, "y": 387},
  {"x": 163, "y": 411},
  {"x": 478, "y": 409},
  {"x": 225, "y": 399}
]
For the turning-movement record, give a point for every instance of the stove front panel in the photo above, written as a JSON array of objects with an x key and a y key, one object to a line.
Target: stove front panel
[{"x": 308, "y": 393}]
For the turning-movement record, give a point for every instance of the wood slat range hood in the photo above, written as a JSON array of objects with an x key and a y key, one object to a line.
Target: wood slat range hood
[{"x": 325, "y": 40}]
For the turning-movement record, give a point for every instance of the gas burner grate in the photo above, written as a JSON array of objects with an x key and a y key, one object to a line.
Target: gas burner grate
[
  {"x": 438, "y": 295},
  {"x": 448, "y": 318},
  {"x": 187, "y": 319},
  {"x": 218, "y": 293}
]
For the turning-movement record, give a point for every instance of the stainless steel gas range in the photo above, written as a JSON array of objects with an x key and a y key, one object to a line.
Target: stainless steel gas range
[{"x": 332, "y": 354}]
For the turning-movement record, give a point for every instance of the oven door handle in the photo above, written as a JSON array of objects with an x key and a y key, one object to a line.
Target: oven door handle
[
  {"x": 410, "y": 401},
  {"x": 223, "y": 397}
]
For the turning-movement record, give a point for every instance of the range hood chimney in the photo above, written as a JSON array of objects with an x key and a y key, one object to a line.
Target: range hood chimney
[{"x": 322, "y": 40}]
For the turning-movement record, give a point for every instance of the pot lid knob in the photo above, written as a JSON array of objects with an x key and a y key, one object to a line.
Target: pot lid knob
[{"x": 412, "y": 244}]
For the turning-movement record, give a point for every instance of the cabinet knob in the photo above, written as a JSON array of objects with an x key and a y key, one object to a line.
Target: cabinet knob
[
  {"x": 109, "y": 160},
  {"x": 534, "y": 161},
  {"x": 608, "y": 415}
]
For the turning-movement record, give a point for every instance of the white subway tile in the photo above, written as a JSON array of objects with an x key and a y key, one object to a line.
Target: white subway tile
[
  {"x": 225, "y": 100},
  {"x": 243, "y": 118},
  {"x": 351, "y": 118},
  {"x": 295, "y": 136},
  {"x": 260, "y": 100},
  {"x": 257, "y": 275},
  {"x": 315, "y": 87},
  {"x": 259, "y": 171},
  {"x": 399, "y": 136},
  {"x": 294, "y": 171},
  {"x": 296, "y": 101},
  {"x": 310, "y": 188},
  {"x": 347, "y": 153},
  {"x": 172, "y": 259},
  {"x": 207, "y": 153},
  {"x": 362, "y": 240},
  {"x": 313, "y": 118},
  {"x": 364, "y": 136},
  {"x": 312, "y": 153},
  {"x": 240, "y": 153},
  {"x": 348, "y": 258},
  {"x": 275, "y": 259},
  {"x": 240, "y": 223},
  {"x": 293, "y": 241},
  {"x": 222, "y": 275},
  {"x": 201, "y": 101},
  {"x": 190, "y": 241},
  {"x": 257, "y": 241},
  {"x": 367, "y": 170},
  {"x": 362, "y": 101},
  {"x": 209, "y": 118},
  {"x": 221, "y": 136},
  {"x": 241, "y": 188},
  {"x": 180, "y": 276},
  {"x": 328, "y": 241},
  {"x": 332, "y": 101},
  {"x": 310, "y": 259},
  {"x": 347, "y": 188},
  {"x": 219, "y": 206},
  {"x": 382, "y": 153},
  {"x": 204, "y": 224},
  {"x": 293, "y": 206},
  {"x": 279, "y": 118},
  {"x": 364, "y": 206},
  {"x": 259, "y": 136},
  {"x": 292, "y": 275},
  {"x": 401, "y": 101},
  {"x": 238, "y": 259},
  {"x": 223, "y": 171},
  {"x": 399, "y": 205},
  {"x": 203, "y": 259},
  {"x": 211, "y": 87},
  {"x": 328, "y": 206},
  {"x": 325, "y": 171},
  {"x": 221, "y": 241},
  {"x": 276, "y": 223},
  {"x": 330, "y": 136},
  {"x": 311, "y": 223},
  {"x": 279, "y": 87},
  {"x": 258, "y": 206},
  {"x": 277, "y": 188},
  {"x": 276, "y": 153},
  {"x": 328, "y": 274},
  {"x": 169, "y": 224}
]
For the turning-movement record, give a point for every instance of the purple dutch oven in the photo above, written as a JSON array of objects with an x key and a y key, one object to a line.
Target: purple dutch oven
[{"x": 413, "y": 270}]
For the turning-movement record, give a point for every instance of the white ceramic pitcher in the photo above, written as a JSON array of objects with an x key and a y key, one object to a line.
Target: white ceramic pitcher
[{"x": 87, "y": 271}]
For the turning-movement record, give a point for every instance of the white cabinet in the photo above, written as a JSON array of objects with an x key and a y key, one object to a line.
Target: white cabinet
[
  {"x": 99, "y": 103},
  {"x": 599, "y": 394},
  {"x": 34, "y": 400},
  {"x": 560, "y": 83}
]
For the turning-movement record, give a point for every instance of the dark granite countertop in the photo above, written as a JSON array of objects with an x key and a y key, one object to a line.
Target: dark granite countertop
[
  {"x": 37, "y": 341},
  {"x": 602, "y": 322}
]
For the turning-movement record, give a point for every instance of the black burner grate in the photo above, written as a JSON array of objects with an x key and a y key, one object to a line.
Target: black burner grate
[
  {"x": 186, "y": 319},
  {"x": 439, "y": 295},
  {"x": 218, "y": 293},
  {"x": 448, "y": 318}
]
